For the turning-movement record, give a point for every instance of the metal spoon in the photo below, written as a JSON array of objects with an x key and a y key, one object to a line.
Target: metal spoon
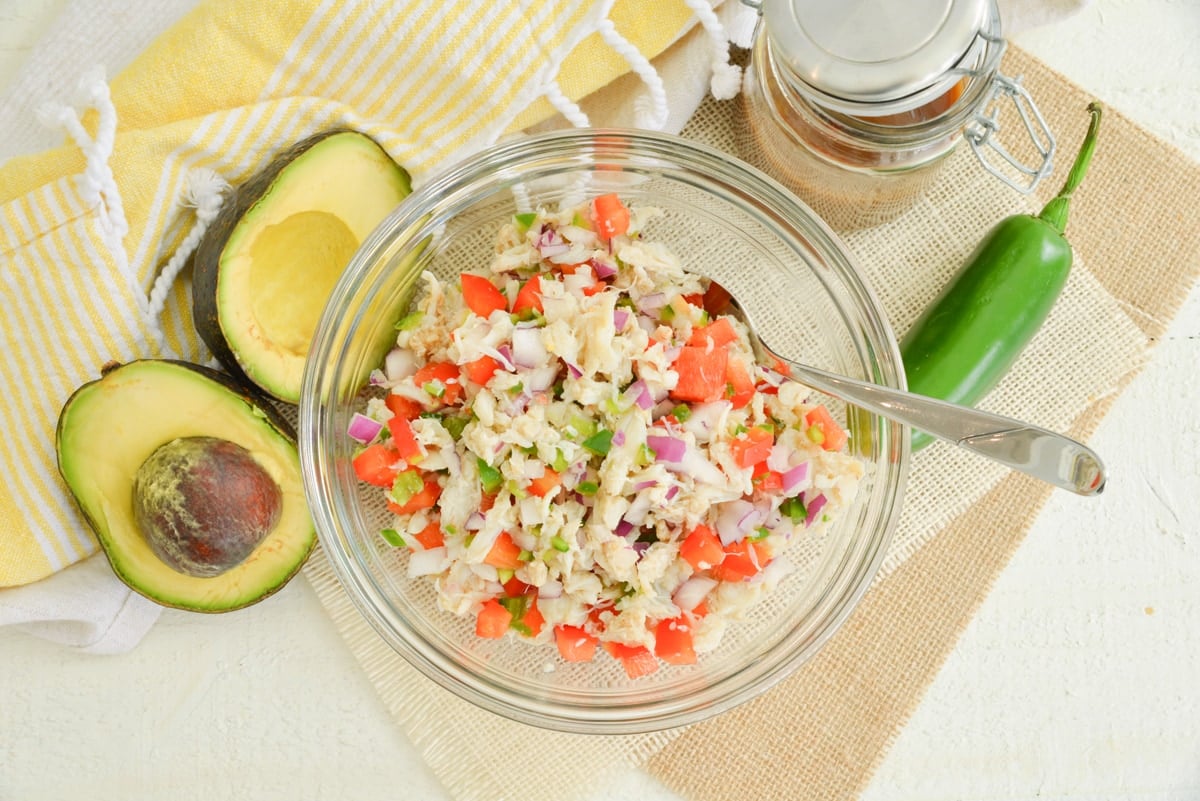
[{"x": 1041, "y": 453}]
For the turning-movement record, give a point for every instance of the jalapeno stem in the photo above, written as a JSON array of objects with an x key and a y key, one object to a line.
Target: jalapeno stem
[{"x": 1056, "y": 211}]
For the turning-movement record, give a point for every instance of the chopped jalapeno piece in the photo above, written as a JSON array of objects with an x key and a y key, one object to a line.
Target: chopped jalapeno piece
[
  {"x": 489, "y": 477},
  {"x": 392, "y": 537},
  {"x": 599, "y": 443}
]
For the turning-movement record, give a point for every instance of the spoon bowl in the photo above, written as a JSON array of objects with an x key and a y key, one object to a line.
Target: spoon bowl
[{"x": 1039, "y": 452}]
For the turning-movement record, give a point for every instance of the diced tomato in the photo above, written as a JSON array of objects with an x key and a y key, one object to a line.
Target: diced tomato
[
  {"x": 780, "y": 366},
  {"x": 376, "y": 465},
  {"x": 595, "y": 621},
  {"x": 486, "y": 501},
  {"x": 545, "y": 484},
  {"x": 533, "y": 618},
  {"x": 739, "y": 385},
  {"x": 673, "y": 641},
  {"x": 481, "y": 295},
  {"x": 403, "y": 438},
  {"x": 425, "y": 499},
  {"x": 493, "y": 620},
  {"x": 752, "y": 447},
  {"x": 610, "y": 216},
  {"x": 529, "y": 298},
  {"x": 716, "y": 299},
  {"x": 431, "y": 536},
  {"x": 699, "y": 610},
  {"x": 766, "y": 479},
  {"x": 574, "y": 643},
  {"x": 443, "y": 378},
  {"x": 505, "y": 554},
  {"x": 694, "y": 299},
  {"x": 404, "y": 407},
  {"x": 742, "y": 560},
  {"x": 701, "y": 374},
  {"x": 719, "y": 332},
  {"x": 701, "y": 548},
  {"x": 831, "y": 437},
  {"x": 515, "y": 588},
  {"x": 481, "y": 370},
  {"x": 636, "y": 659}
]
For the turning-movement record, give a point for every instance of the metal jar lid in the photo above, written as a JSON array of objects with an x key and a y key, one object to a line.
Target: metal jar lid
[{"x": 878, "y": 54}]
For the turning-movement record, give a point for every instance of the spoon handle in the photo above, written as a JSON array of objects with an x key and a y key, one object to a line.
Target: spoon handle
[{"x": 1039, "y": 452}]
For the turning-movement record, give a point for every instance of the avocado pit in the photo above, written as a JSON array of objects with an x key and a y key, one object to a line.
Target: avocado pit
[{"x": 203, "y": 504}]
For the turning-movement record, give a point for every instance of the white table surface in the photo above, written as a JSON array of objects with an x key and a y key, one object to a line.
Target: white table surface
[{"x": 1077, "y": 680}]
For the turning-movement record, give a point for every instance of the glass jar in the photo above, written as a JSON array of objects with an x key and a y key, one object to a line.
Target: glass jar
[{"x": 855, "y": 106}]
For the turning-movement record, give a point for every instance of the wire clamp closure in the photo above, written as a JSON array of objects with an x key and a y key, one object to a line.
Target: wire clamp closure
[{"x": 983, "y": 129}]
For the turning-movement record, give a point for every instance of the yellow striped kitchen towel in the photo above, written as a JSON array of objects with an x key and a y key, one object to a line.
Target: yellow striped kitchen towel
[{"x": 95, "y": 235}]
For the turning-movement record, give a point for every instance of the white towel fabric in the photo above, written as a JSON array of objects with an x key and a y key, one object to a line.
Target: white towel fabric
[{"x": 85, "y": 606}]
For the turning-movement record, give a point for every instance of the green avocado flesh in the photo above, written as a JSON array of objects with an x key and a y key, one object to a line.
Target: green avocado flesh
[
  {"x": 269, "y": 263},
  {"x": 110, "y": 427}
]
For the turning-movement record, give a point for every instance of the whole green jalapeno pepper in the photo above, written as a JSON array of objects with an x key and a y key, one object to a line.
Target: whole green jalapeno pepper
[{"x": 968, "y": 338}]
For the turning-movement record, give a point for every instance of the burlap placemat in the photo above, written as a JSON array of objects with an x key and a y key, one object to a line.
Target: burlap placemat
[{"x": 823, "y": 731}]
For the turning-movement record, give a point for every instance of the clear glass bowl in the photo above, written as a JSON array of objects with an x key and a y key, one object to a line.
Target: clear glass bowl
[{"x": 724, "y": 219}]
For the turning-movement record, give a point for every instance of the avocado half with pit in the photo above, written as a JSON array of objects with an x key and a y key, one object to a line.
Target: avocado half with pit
[
  {"x": 266, "y": 266},
  {"x": 190, "y": 482}
]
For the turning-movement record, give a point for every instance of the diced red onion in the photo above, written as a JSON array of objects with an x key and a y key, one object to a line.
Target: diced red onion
[
  {"x": 550, "y": 588},
  {"x": 667, "y": 449},
  {"x": 377, "y": 378},
  {"x": 640, "y": 395},
  {"x": 814, "y": 507},
  {"x": 640, "y": 547},
  {"x": 618, "y": 438},
  {"x": 690, "y": 593},
  {"x": 780, "y": 457},
  {"x": 672, "y": 491},
  {"x": 527, "y": 348},
  {"x": 474, "y": 521},
  {"x": 623, "y": 528},
  {"x": 603, "y": 269},
  {"x": 794, "y": 477},
  {"x": 620, "y": 318},
  {"x": 662, "y": 408},
  {"x": 549, "y": 243},
  {"x": 505, "y": 353},
  {"x": 737, "y": 518},
  {"x": 399, "y": 364},
  {"x": 646, "y": 324},
  {"x": 573, "y": 370},
  {"x": 541, "y": 379},
  {"x": 652, "y": 302},
  {"x": 773, "y": 378},
  {"x": 362, "y": 428},
  {"x": 643, "y": 485}
]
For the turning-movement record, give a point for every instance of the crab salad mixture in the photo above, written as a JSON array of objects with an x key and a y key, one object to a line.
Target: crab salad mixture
[{"x": 580, "y": 450}]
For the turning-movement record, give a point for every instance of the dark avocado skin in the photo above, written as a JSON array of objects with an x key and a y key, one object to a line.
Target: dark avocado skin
[
  {"x": 261, "y": 405},
  {"x": 207, "y": 257}
]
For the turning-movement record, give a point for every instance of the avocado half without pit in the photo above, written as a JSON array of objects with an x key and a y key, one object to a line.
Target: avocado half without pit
[
  {"x": 266, "y": 266},
  {"x": 191, "y": 484}
]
